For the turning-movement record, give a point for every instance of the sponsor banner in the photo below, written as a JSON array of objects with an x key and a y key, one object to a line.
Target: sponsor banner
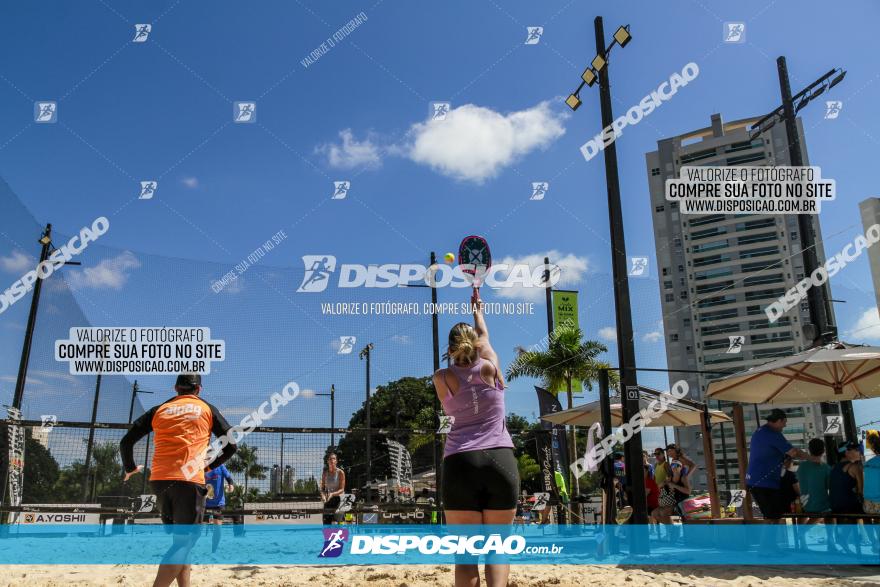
[
  {"x": 728, "y": 544},
  {"x": 415, "y": 515},
  {"x": 294, "y": 517},
  {"x": 285, "y": 512},
  {"x": 16, "y": 440},
  {"x": 565, "y": 311},
  {"x": 56, "y": 518},
  {"x": 74, "y": 516},
  {"x": 555, "y": 441}
]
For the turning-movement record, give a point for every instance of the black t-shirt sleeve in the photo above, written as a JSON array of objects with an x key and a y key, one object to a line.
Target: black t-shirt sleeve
[
  {"x": 140, "y": 428},
  {"x": 220, "y": 427}
]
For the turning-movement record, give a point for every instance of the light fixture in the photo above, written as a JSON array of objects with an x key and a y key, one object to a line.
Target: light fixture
[
  {"x": 622, "y": 36},
  {"x": 45, "y": 239},
  {"x": 837, "y": 79},
  {"x": 589, "y": 76}
]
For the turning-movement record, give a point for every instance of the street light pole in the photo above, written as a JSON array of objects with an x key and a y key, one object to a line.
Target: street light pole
[
  {"x": 818, "y": 297},
  {"x": 625, "y": 350},
  {"x": 819, "y": 314},
  {"x": 365, "y": 354}
]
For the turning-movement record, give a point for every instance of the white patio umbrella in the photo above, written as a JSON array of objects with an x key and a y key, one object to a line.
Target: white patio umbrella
[
  {"x": 589, "y": 414},
  {"x": 830, "y": 373}
]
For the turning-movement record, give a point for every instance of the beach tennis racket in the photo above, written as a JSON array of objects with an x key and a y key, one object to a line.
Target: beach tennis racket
[{"x": 475, "y": 257}]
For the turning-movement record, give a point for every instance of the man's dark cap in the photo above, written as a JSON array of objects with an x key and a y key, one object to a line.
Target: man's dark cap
[
  {"x": 775, "y": 415},
  {"x": 188, "y": 380}
]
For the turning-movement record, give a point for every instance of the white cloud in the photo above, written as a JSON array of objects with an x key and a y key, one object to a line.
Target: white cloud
[
  {"x": 67, "y": 377},
  {"x": 401, "y": 338},
  {"x": 190, "y": 182},
  {"x": 28, "y": 380},
  {"x": 233, "y": 287},
  {"x": 608, "y": 334},
  {"x": 866, "y": 328},
  {"x": 351, "y": 153},
  {"x": 110, "y": 273},
  {"x": 17, "y": 262},
  {"x": 654, "y": 336},
  {"x": 573, "y": 270},
  {"x": 474, "y": 143}
]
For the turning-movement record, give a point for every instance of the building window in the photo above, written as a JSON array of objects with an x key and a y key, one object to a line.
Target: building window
[
  {"x": 674, "y": 205},
  {"x": 677, "y": 242},
  {"x": 794, "y": 235},
  {"x": 683, "y": 295},
  {"x": 681, "y": 268},
  {"x": 659, "y": 209},
  {"x": 673, "y": 337},
  {"x": 687, "y": 321},
  {"x": 667, "y": 285},
  {"x": 670, "y": 298},
  {"x": 681, "y": 281},
  {"x": 665, "y": 271},
  {"x": 655, "y": 171}
]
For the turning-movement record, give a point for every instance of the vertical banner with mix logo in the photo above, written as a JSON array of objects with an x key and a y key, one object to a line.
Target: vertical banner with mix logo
[
  {"x": 565, "y": 311},
  {"x": 552, "y": 445},
  {"x": 15, "y": 442}
]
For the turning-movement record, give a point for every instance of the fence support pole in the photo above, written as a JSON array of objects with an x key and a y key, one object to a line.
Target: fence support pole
[{"x": 91, "y": 441}]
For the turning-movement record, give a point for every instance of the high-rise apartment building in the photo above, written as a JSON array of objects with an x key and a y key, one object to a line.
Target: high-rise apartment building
[{"x": 717, "y": 273}]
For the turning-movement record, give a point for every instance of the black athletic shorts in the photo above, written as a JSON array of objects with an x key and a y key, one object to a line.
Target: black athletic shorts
[
  {"x": 769, "y": 500},
  {"x": 180, "y": 502},
  {"x": 478, "y": 480}
]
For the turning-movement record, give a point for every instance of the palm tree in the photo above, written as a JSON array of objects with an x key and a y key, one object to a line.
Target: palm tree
[
  {"x": 568, "y": 358},
  {"x": 245, "y": 461}
]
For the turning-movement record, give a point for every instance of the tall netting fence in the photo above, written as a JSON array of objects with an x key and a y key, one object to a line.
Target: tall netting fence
[{"x": 281, "y": 321}]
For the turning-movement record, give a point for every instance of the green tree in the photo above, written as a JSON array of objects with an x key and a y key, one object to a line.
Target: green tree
[
  {"x": 41, "y": 472},
  {"x": 104, "y": 478},
  {"x": 245, "y": 461},
  {"x": 528, "y": 468},
  {"x": 406, "y": 403},
  {"x": 306, "y": 486},
  {"x": 568, "y": 358},
  {"x": 240, "y": 496}
]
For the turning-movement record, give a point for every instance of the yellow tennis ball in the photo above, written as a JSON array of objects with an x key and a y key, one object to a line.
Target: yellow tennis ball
[{"x": 449, "y": 258}]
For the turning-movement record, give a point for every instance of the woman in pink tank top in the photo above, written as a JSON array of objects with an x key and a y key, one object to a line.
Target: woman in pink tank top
[{"x": 480, "y": 483}]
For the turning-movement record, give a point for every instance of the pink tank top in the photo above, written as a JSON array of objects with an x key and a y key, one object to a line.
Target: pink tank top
[{"x": 478, "y": 410}]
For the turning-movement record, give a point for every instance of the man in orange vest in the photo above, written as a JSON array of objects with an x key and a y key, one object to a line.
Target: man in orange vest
[{"x": 182, "y": 427}]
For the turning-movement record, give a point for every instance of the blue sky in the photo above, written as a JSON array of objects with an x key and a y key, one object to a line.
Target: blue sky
[{"x": 162, "y": 110}]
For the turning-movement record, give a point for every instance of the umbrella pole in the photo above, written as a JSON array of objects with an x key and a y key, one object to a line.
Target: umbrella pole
[
  {"x": 742, "y": 456},
  {"x": 709, "y": 455}
]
